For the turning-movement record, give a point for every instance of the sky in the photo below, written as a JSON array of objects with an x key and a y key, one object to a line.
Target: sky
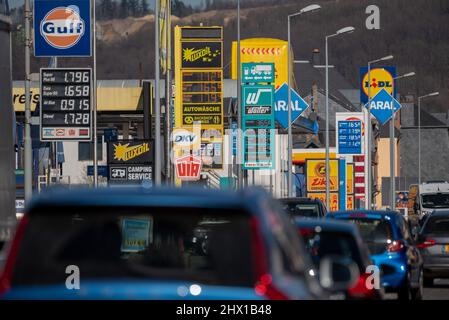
[{"x": 15, "y": 3}]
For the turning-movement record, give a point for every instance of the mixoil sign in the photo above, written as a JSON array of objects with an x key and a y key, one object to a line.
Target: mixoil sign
[{"x": 62, "y": 28}]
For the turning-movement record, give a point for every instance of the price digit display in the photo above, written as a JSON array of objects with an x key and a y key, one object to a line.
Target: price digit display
[{"x": 65, "y": 104}]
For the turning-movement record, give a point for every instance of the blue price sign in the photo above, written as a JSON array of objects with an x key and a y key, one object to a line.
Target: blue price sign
[{"x": 349, "y": 137}]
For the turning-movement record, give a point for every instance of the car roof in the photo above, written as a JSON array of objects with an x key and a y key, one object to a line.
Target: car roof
[
  {"x": 382, "y": 213},
  {"x": 299, "y": 200},
  {"x": 152, "y": 197},
  {"x": 327, "y": 225},
  {"x": 440, "y": 213}
]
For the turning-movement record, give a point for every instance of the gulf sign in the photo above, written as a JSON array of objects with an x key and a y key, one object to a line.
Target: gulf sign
[
  {"x": 379, "y": 78},
  {"x": 62, "y": 28}
]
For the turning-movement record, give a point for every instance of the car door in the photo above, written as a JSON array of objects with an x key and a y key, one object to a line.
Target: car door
[{"x": 413, "y": 255}]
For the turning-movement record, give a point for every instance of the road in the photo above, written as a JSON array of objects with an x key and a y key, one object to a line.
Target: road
[{"x": 440, "y": 291}]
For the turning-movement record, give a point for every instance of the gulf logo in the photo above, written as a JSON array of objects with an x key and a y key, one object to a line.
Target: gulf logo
[
  {"x": 62, "y": 27},
  {"x": 380, "y": 79}
]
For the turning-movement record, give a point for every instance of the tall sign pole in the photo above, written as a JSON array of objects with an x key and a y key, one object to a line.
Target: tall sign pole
[
  {"x": 157, "y": 160},
  {"x": 167, "y": 90},
  {"x": 94, "y": 94},
  {"x": 239, "y": 104},
  {"x": 27, "y": 139}
]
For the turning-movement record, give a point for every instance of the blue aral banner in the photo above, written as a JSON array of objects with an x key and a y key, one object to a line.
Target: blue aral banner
[
  {"x": 298, "y": 105},
  {"x": 381, "y": 106}
]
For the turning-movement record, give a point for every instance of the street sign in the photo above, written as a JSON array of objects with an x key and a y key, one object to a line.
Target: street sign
[
  {"x": 298, "y": 105},
  {"x": 188, "y": 168},
  {"x": 257, "y": 72},
  {"x": 62, "y": 29},
  {"x": 258, "y": 126},
  {"x": 381, "y": 78},
  {"x": 102, "y": 171},
  {"x": 381, "y": 106},
  {"x": 65, "y": 104}
]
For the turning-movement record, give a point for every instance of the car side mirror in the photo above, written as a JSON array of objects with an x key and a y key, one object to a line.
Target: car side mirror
[{"x": 338, "y": 273}]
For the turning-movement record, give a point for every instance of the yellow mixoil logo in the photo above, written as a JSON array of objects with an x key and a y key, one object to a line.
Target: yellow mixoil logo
[
  {"x": 192, "y": 54},
  {"x": 125, "y": 153}
]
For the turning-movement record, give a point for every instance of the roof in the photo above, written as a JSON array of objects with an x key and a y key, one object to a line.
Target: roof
[
  {"x": 299, "y": 200},
  {"x": 363, "y": 211},
  {"x": 326, "y": 224},
  {"x": 140, "y": 197}
]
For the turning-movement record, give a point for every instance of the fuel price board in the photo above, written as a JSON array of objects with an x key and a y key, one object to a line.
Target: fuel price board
[{"x": 65, "y": 104}]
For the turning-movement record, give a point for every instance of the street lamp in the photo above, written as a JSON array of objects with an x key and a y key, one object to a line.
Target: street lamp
[
  {"x": 339, "y": 32},
  {"x": 368, "y": 194},
  {"x": 433, "y": 94},
  {"x": 392, "y": 149},
  {"x": 310, "y": 8}
]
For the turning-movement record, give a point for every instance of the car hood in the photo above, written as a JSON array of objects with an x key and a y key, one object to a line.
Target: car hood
[{"x": 130, "y": 290}]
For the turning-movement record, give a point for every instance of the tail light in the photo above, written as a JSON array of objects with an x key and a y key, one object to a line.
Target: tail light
[
  {"x": 307, "y": 233},
  {"x": 360, "y": 289},
  {"x": 427, "y": 243},
  {"x": 395, "y": 246},
  {"x": 264, "y": 287},
  {"x": 5, "y": 277}
]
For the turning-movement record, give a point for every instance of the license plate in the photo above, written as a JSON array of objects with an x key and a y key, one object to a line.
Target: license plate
[{"x": 445, "y": 248}]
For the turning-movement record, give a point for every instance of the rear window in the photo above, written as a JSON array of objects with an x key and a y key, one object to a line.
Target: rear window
[
  {"x": 438, "y": 200},
  {"x": 308, "y": 210},
  {"x": 437, "y": 225},
  {"x": 324, "y": 243},
  {"x": 210, "y": 246},
  {"x": 376, "y": 233}
]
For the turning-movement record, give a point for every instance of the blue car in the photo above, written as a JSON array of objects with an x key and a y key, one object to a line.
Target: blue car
[
  {"x": 392, "y": 248},
  {"x": 140, "y": 243}
]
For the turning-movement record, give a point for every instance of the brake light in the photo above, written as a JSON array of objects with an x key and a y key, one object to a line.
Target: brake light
[
  {"x": 357, "y": 215},
  {"x": 395, "y": 246},
  {"x": 307, "y": 233},
  {"x": 427, "y": 243},
  {"x": 264, "y": 286},
  {"x": 5, "y": 277},
  {"x": 360, "y": 289}
]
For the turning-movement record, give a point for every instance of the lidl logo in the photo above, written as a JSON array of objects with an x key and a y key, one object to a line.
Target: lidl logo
[
  {"x": 63, "y": 27},
  {"x": 381, "y": 78}
]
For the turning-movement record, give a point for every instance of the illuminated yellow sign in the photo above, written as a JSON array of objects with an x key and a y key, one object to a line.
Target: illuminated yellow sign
[
  {"x": 350, "y": 178},
  {"x": 316, "y": 175},
  {"x": 334, "y": 204}
]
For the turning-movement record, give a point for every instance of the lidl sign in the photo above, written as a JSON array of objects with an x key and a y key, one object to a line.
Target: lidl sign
[
  {"x": 62, "y": 28},
  {"x": 381, "y": 78}
]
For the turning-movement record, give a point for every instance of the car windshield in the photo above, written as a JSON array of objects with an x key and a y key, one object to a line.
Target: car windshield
[
  {"x": 438, "y": 200},
  {"x": 210, "y": 246},
  {"x": 326, "y": 243},
  {"x": 437, "y": 226},
  {"x": 309, "y": 210},
  {"x": 376, "y": 233}
]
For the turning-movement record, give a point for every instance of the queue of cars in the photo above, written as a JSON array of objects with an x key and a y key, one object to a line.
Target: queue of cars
[{"x": 164, "y": 243}]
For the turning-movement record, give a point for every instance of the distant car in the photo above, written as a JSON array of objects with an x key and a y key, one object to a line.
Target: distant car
[
  {"x": 141, "y": 243},
  {"x": 392, "y": 248},
  {"x": 304, "y": 207},
  {"x": 326, "y": 237},
  {"x": 434, "y": 246}
]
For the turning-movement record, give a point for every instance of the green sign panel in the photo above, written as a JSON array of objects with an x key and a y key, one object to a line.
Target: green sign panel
[
  {"x": 257, "y": 72},
  {"x": 258, "y": 127}
]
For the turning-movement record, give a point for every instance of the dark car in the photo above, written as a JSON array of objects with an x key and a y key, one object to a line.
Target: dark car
[
  {"x": 324, "y": 238},
  {"x": 392, "y": 248},
  {"x": 304, "y": 207},
  {"x": 434, "y": 246},
  {"x": 138, "y": 243}
]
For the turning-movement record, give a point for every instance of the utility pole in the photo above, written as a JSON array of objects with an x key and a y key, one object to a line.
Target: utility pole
[
  {"x": 94, "y": 95},
  {"x": 240, "y": 135},
  {"x": 27, "y": 138},
  {"x": 157, "y": 159},
  {"x": 168, "y": 93}
]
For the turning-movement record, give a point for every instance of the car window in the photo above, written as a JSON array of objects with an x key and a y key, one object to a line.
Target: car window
[
  {"x": 309, "y": 210},
  {"x": 376, "y": 233},
  {"x": 437, "y": 225},
  {"x": 438, "y": 200},
  {"x": 211, "y": 246},
  {"x": 324, "y": 243}
]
